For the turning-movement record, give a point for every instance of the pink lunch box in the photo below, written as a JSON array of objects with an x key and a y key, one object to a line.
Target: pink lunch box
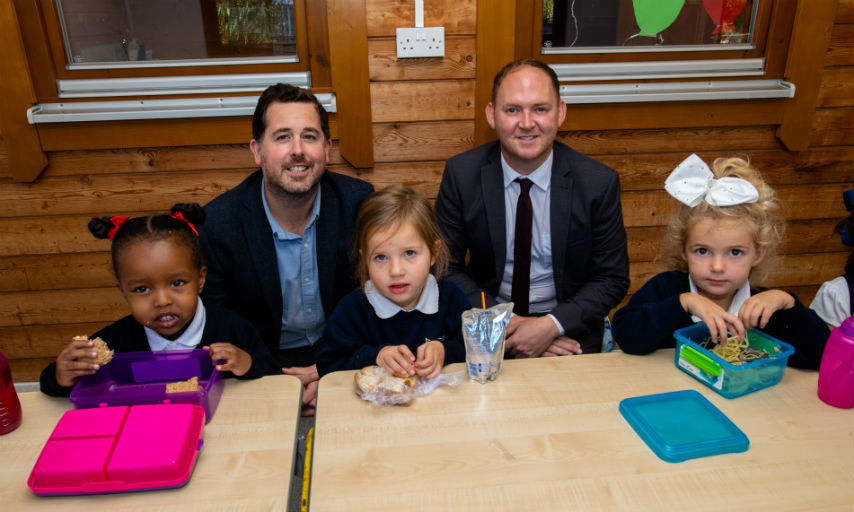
[{"x": 119, "y": 449}]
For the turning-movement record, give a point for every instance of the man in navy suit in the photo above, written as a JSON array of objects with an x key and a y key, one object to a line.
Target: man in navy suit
[
  {"x": 579, "y": 266},
  {"x": 278, "y": 246}
]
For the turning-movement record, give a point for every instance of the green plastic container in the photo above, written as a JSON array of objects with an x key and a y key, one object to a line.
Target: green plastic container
[{"x": 730, "y": 380}]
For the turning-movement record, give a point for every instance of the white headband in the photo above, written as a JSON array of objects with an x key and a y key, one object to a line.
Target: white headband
[{"x": 692, "y": 182}]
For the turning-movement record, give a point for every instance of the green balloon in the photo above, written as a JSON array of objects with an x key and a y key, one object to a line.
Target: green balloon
[{"x": 653, "y": 16}]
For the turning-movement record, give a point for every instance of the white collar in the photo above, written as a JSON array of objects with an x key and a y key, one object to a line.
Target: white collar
[
  {"x": 428, "y": 303},
  {"x": 741, "y": 295},
  {"x": 541, "y": 176},
  {"x": 187, "y": 341}
]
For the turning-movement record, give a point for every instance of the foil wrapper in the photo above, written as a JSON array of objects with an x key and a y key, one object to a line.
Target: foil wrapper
[{"x": 483, "y": 334}]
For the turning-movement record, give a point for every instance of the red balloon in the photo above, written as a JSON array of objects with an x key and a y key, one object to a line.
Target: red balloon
[{"x": 724, "y": 13}]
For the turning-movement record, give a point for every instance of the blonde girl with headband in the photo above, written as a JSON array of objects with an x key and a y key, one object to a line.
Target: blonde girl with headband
[
  {"x": 159, "y": 269},
  {"x": 724, "y": 235},
  {"x": 405, "y": 318}
]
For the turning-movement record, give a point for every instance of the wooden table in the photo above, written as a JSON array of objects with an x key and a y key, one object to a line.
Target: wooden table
[
  {"x": 245, "y": 463},
  {"x": 548, "y": 435}
]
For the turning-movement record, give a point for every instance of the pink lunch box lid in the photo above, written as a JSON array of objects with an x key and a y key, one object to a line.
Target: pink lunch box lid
[{"x": 119, "y": 449}]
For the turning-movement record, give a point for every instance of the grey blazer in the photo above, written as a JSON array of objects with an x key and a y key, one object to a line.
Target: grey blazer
[{"x": 589, "y": 253}]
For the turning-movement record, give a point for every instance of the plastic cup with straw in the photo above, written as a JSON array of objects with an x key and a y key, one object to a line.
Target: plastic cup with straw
[{"x": 483, "y": 334}]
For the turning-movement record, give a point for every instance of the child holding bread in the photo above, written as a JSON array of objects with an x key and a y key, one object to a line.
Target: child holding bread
[
  {"x": 404, "y": 318},
  {"x": 722, "y": 238},
  {"x": 157, "y": 261}
]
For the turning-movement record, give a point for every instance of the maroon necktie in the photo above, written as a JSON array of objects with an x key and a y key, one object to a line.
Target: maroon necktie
[{"x": 522, "y": 249}]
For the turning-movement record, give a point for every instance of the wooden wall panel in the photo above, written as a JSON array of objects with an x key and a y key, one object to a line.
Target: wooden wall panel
[
  {"x": 426, "y": 100},
  {"x": 837, "y": 87},
  {"x": 402, "y": 142},
  {"x": 384, "y": 16},
  {"x": 833, "y": 127},
  {"x": 661, "y": 140},
  {"x": 53, "y": 307},
  {"x": 845, "y": 12},
  {"x": 43, "y": 272},
  {"x": 114, "y": 194},
  {"x": 841, "y": 50}
]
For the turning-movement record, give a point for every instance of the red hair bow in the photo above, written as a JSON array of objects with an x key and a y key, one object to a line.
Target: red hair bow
[
  {"x": 117, "y": 222},
  {"x": 180, "y": 216}
]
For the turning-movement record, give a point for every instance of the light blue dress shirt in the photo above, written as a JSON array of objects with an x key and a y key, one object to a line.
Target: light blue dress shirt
[
  {"x": 543, "y": 295},
  {"x": 303, "y": 318}
]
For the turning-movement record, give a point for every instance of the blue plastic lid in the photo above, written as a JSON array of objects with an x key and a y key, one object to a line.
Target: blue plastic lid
[{"x": 682, "y": 425}]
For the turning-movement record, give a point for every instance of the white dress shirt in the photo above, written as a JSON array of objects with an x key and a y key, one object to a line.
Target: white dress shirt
[
  {"x": 189, "y": 340},
  {"x": 428, "y": 302},
  {"x": 741, "y": 295}
]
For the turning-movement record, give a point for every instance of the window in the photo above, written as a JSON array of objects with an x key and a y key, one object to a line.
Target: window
[
  {"x": 650, "y": 57},
  {"x": 154, "y": 33},
  {"x": 75, "y": 43},
  {"x": 149, "y": 61},
  {"x": 646, "y": 25}
]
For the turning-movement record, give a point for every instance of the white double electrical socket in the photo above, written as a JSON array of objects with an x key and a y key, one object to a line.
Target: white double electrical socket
[{"x": 420, "y": 42}]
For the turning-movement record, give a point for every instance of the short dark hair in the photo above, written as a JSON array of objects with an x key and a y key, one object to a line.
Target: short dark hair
[
  {"x": 516, "y": 64},
  {"x": 285, "y": 93}
]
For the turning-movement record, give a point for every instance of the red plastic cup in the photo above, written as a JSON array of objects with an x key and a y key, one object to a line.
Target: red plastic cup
[{"x": 10, "y": 406}]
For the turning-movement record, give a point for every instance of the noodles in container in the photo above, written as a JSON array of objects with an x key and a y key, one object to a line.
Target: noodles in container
[{"x": 483, "y": 333}]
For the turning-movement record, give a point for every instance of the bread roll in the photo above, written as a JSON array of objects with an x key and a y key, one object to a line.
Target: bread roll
[{"x": 376, "y": 385}]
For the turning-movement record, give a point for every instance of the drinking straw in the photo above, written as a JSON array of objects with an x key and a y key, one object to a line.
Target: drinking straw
[{"x": 483, "y": 299}]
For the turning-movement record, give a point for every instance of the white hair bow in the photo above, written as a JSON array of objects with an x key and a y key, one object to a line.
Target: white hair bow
[{"x": 692, "y": 182}]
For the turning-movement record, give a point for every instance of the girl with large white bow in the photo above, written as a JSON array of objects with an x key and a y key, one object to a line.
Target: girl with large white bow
[{"x": 724, "y": 235}]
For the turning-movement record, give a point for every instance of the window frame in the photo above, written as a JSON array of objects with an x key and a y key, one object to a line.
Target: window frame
[{"x": 762, "y": 23}]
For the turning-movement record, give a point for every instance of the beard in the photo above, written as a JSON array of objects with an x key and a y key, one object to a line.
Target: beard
[{"x": 280, "y": 185}]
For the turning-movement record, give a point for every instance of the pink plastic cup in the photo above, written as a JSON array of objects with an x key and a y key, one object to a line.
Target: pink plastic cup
[{"x": 836, "y": 373}]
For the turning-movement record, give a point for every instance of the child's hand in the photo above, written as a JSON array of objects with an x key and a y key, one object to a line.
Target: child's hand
[
  {"x": 397, "y": 360},
  {"x": 75, "y": 360},
  {"x": 757, "y": 310},
  {"x": 430, "y": 359},
  {"x": 234, "y": 360},
  {"x": 719, "y": 322}
]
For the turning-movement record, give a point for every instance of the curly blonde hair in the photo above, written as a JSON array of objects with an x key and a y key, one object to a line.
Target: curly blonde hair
[
  {"x": 391, "y": 207},
  {"x": 762, "y": 217}
]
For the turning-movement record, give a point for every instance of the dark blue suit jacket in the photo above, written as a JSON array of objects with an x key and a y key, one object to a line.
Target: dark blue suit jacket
[
  {"x": 589, "y": 254},
  {"x": 241, "y": 257}
]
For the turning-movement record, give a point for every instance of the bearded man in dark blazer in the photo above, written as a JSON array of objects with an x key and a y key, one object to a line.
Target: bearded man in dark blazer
[
  {"x": 578, "y": 259},
  {"x": 278, "y": 246}
]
